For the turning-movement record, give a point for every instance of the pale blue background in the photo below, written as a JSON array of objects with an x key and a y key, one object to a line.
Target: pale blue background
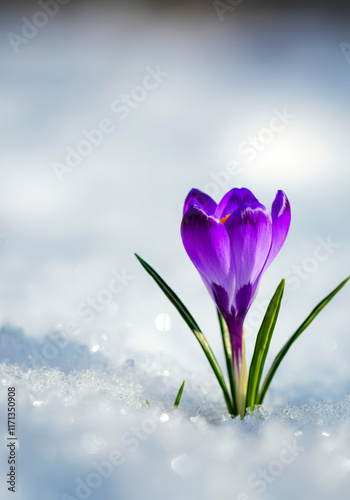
[{"x": 60, "y": 241}]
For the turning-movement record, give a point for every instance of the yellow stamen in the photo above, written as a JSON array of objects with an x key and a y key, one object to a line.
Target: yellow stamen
[{"x": 224, "y": 219}]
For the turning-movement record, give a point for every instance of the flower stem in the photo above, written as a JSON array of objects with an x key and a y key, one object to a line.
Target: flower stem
[
  {"x": 226, "y": 340},
  {"x": 241, "y": 380}
]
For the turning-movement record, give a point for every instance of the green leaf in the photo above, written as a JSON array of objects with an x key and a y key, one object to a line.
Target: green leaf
[
  {"x": 226, "y": 340},
  {"x": 262, "y": 345},
  {"x": 293, "y": 338},
  {"x": 179, "y": 394},
  {"x": 147, "y": 403},
  {"x": 174, "y": 299}
]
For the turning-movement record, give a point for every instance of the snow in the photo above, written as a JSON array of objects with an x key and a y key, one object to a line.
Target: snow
[
  {"x": 85, "y": 431},
  {"x": 83, "y": 374}
]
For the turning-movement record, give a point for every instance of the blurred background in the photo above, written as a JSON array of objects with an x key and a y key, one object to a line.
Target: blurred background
[{"x": 112, "y": 112}]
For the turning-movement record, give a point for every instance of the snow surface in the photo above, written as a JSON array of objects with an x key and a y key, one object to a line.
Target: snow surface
[
  {"x": 81, "y": 398},
  {"x": 85, "y": 431}
]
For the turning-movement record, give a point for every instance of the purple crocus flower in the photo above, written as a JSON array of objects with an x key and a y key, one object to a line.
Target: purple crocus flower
[{"x": 231, "y": 244}]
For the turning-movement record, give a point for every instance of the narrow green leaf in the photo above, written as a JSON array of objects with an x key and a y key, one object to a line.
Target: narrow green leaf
[
  {"x": 226, "y": 340},
  {"x": 262, "y": 345},
  {"x": 179, "y": 394},
  {"x": 174, "y": 299},
  {"x": 293, "y": 338},
  {"x": 147, "y": 403}
]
